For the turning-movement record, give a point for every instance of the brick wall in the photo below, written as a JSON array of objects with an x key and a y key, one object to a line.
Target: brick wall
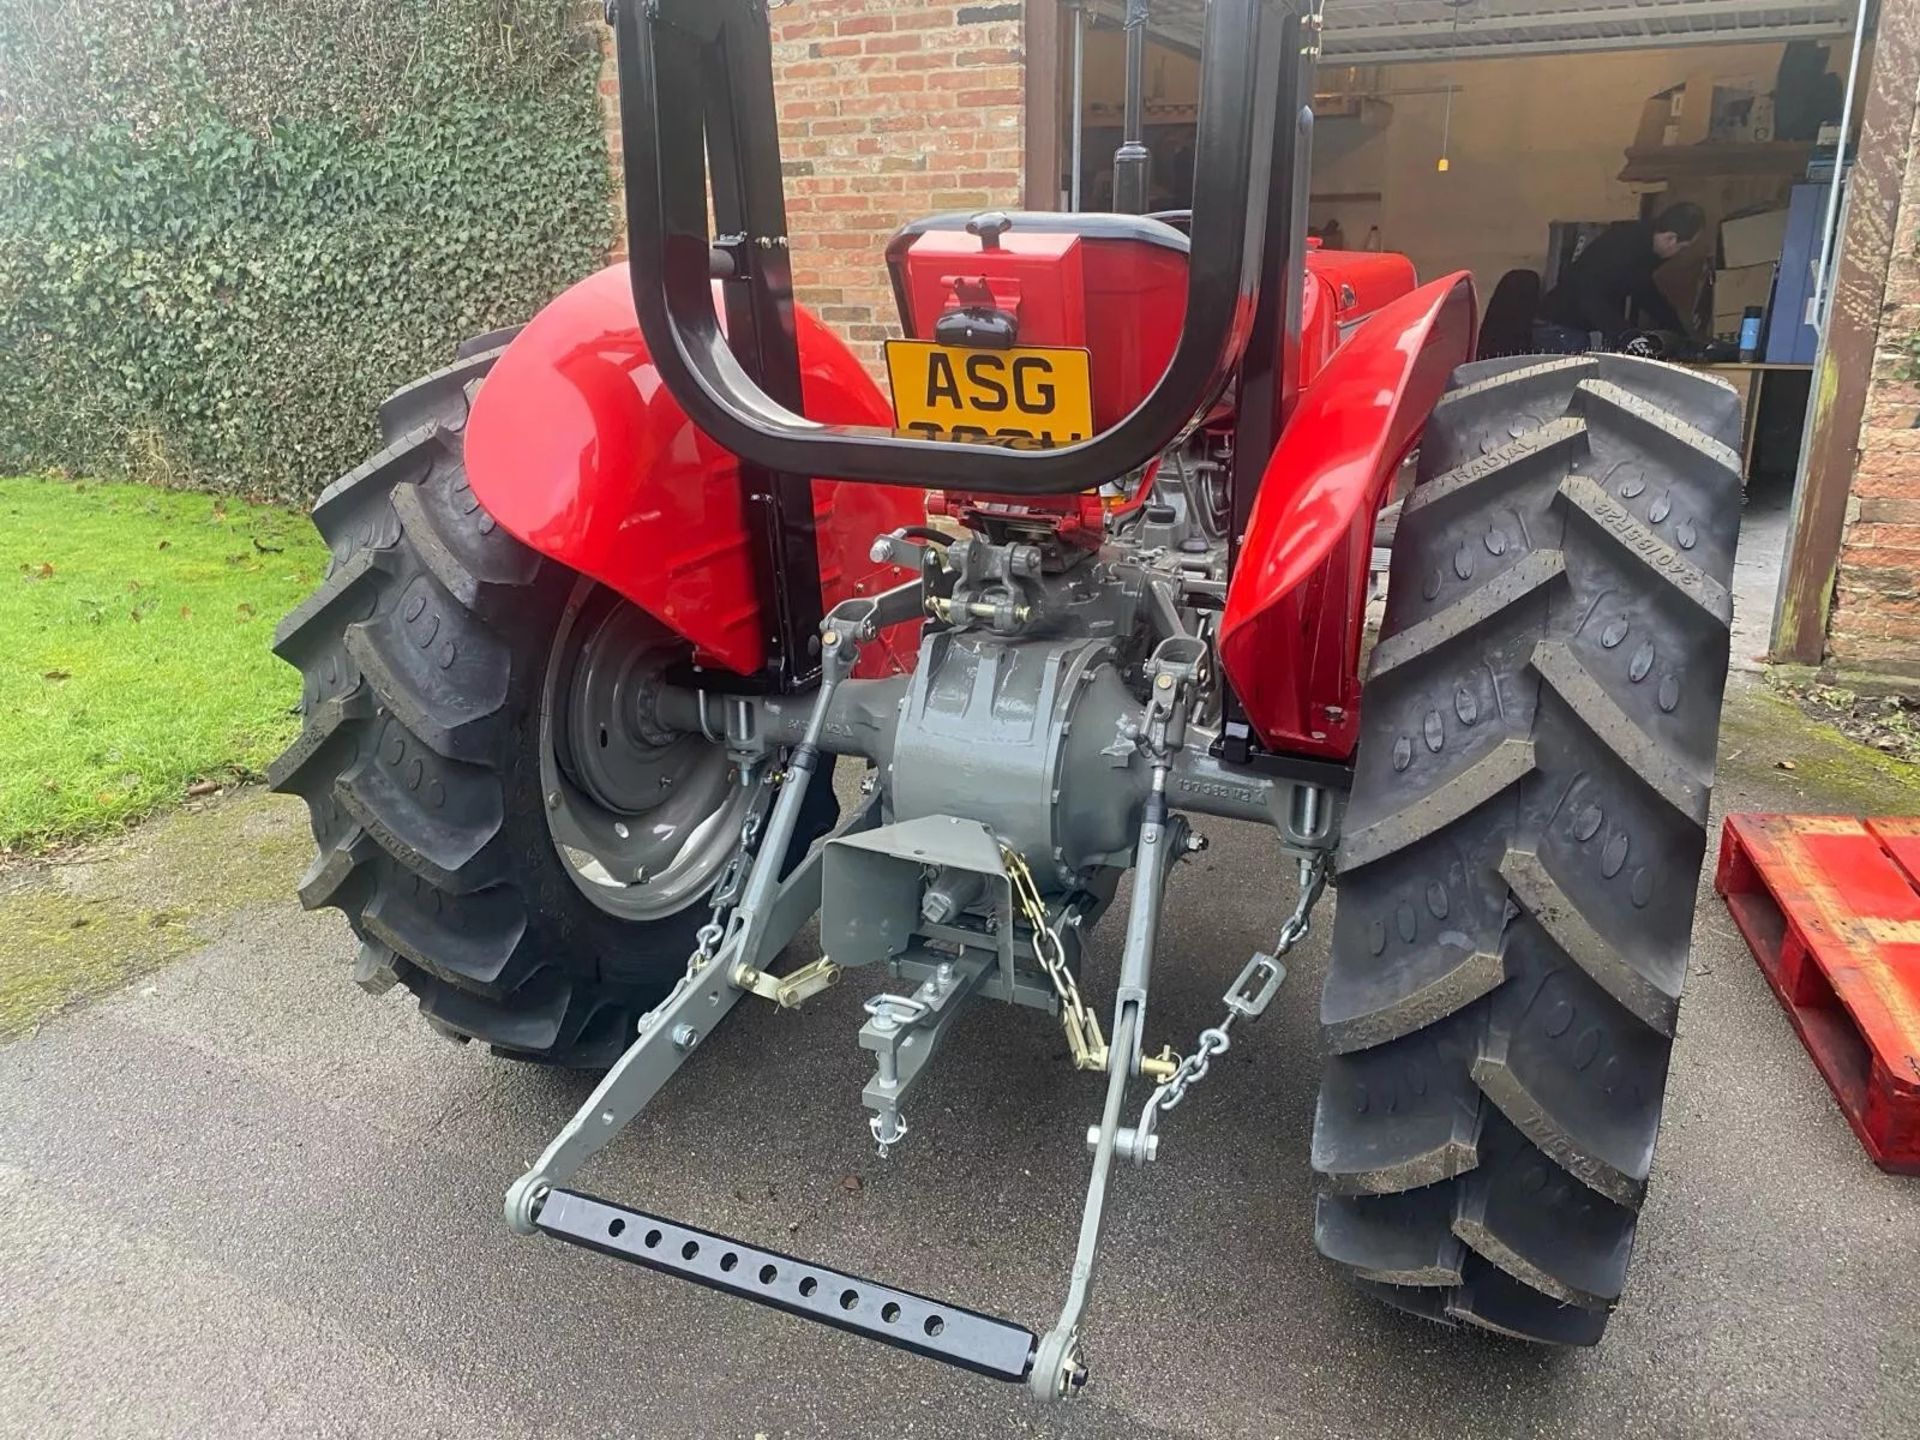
[
  {"x": 1875, "y": 621},
  {"x": 889, "y": 109},
  {"x": 592, "y": 13}
]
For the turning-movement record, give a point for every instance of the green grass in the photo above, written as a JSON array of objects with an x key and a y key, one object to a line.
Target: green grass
[{"x": 134, "y": 626}]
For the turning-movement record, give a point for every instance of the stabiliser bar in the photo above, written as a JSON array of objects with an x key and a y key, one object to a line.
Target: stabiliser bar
[{"x": 988, "y": 1346}]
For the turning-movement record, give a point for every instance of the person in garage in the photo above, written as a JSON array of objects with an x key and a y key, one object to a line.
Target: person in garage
[{"x": 1611, "y": 282}]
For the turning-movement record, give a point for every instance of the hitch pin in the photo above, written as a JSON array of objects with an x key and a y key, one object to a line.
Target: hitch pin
[{"x": 1159, "y": 1068}]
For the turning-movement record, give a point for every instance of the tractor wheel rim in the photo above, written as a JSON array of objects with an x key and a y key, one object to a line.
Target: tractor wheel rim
[{"x": 643, "y": 818}]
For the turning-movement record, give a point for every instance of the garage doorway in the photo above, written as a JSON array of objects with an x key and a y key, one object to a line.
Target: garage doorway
[{"x": 1500, "y": 136}]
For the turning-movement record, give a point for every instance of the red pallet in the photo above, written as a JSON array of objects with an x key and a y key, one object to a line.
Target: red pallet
[{"x": 1831, "y": 907}]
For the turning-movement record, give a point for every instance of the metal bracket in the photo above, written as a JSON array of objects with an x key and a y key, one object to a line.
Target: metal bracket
[
  {"x": 903, "y": 1031},
  {"x": 863, "y": 617},
  {"x": 1181, "y": 658},
  {"x": 1029, "y": 987},
  {"x": 787, "y": 991},
  {"x": 871, "y": 904}
]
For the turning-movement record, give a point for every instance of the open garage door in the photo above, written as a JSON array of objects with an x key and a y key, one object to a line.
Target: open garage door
[
  {"x": 1584, "y": 114},
  {"x": 1375, "y": 32}
]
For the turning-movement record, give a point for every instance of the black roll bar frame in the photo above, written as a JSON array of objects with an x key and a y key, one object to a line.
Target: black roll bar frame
[{"x": 696, "y": 80}]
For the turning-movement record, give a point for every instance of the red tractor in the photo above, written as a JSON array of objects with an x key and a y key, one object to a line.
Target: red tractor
[{"x": 626, "y": 584}]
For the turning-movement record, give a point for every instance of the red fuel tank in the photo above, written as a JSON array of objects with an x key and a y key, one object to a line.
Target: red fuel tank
[{"x": 1115, "y": 285}]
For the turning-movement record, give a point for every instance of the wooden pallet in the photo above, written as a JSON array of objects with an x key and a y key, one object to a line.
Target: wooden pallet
[{"x": 1831, "y": 908}]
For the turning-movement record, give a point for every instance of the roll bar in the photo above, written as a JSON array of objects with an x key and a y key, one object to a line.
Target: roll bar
[{"x": 696, "y": 89}]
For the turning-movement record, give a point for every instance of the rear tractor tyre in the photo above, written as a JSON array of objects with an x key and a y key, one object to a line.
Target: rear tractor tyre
[
  {"x": 508, "y": 836},
  {"x": 1523, "y": 841}
]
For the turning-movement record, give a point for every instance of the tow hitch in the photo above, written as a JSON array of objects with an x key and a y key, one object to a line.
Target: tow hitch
[{"x": 954, "y": 907}]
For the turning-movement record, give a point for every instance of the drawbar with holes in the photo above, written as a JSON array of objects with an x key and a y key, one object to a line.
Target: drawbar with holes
[{"x": 984, "y": 1344}]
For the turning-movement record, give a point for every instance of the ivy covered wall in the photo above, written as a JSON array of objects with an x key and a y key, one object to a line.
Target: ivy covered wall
[{"x": 229, "y": 227}]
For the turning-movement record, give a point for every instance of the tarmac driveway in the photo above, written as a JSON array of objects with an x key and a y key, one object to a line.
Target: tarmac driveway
[{"x": 238, "y": 1198}]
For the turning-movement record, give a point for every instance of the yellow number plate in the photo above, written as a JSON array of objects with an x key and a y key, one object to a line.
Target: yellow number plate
[{"x": 947, "y": 391}]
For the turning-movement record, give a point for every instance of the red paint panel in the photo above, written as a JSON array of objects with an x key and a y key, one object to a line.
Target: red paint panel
[
  {"x": 1290, "y": 638},
  {"x": 577, "y": 448},
  {"x": 1319, "y": 328},
  {"x": 1035, "y": 277},
  {"x": 1363, "y": 281}
]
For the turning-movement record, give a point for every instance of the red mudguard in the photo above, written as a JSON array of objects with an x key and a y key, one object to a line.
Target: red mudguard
[
  {"x": 576, "y": 447},
  {"x": 1290, "y": 638}
]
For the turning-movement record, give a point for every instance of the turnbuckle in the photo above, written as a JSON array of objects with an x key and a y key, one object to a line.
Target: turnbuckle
[{"x": 1263, "y": 970}]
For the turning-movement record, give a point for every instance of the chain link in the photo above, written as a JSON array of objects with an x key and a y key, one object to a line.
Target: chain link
[
  {"x": 1192, "y": 1068},
  {"x": 726, "y": 893},
  {"x": 1085, "y": 1039},
  {"x": 1294, "y": 928},
  {"x": 1216, "y": 1039}
]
